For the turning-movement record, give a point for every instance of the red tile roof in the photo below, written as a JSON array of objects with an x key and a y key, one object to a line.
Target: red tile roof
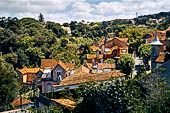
[
  {"x": 123, "y": 39},
  {"x": 94, "y": 48},
  {"x": 102, "y": 66},
  {"x": 88, "y": 77},
  {"x": 26, "y": 70},
  {"x": 82, "y": 69},
  {"x": 16, "y": 102},
  {"x": 46, "y": 63},
  {"x": 93, "y": 56},
  {"x": 161, "y": 35},
  {"x": 69, "y": 66},
  {"x": 160, "y": 58},
  {"x": 168, "y": 28},
  {"x": 66, "y": 102}
]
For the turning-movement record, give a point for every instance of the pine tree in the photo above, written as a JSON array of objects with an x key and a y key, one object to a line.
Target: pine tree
[{"x": 41, "y": 17}]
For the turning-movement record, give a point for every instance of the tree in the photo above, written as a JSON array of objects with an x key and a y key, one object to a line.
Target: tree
[
  {"x": 134, "y": 35},
  {"x": 113, "y": 96},
  {"x": 41, "y": 17},
  {"x": 22, "y": 58},
  {"x": 109, "y": 61},
  {"x": 145, "y": 52},
  {"x": 126, "y": 64},
  {"x": 9, "y": 85},
  {"x": 11, "y": 58}
]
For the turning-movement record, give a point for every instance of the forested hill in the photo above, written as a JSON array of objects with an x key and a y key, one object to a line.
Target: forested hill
[{"x": 24, "y": 42}]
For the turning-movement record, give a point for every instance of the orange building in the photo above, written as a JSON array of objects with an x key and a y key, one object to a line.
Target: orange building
[
  {"x": 108, "y": 48},
  {"x": 27, "y": 75}
]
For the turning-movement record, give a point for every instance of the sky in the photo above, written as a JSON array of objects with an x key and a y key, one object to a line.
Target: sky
[{"x": 61, "y": 11}]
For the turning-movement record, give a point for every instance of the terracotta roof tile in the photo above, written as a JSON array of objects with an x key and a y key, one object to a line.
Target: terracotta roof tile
[
  {"x": 48, "y": 63},
  {"x": 62, "y": 64},
  {"x": 123, "y": 39},
  {"x": 69, "y": 66},
  {"x": 51, "y": 63},
  {"x": 16, "y": 102},
  {"x": 168, "y": 28},
  {"x": 94, "y": 48},
  {"x": 66, "y": 102},
  {"x": 88, "y": 77},
  {"x": 93, "y": 56},
  {"x": 82, "y": 69},
  {"x": 161, "y": 35},
  {"x": 102, "y": 66},
  {"x": 160, "y": 58},
  {"x": 26, "y": 70}
]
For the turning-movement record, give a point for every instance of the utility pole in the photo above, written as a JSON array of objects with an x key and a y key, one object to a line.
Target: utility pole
[
  {"x": 136, "y": 14},
  {"x": 34, "y": 89},
  {"x": 20, "y": 99}
]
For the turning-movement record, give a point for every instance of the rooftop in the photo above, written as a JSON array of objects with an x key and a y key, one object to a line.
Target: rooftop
[
  {"x": 93, "y": 56},
  {"x": 65, "y": 102},
  {"x": 82, "y": 69},
  {"x": 156, "y": 41},
  {"x": 51, "y": 63},
  {"x": 102, "y": 66},
  {"x": 80, "y": 78},
  {"x": 160, "y": 58},
  {"x": 26, "y": 70},
  {"x": 16, "y": 102}
]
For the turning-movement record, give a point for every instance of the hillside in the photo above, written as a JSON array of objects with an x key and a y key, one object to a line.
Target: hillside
[{"x": 24, "y": 42}]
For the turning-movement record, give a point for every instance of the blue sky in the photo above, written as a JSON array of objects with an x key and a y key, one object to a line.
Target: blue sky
[{"x": 77, "y": 10}]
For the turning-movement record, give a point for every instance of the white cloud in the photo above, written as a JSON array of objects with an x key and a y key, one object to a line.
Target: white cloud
[{"x": 67, "y": 10}]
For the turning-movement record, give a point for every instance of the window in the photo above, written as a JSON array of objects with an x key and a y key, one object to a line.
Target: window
[
  {"x": 49, "y": 87},
  {"x": 58, "y": 73},
  {"x": 123, "y": 51}
]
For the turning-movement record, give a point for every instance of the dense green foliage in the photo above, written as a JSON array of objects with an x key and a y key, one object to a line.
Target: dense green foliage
[
  {"x": 9, "y": 87},
  {"x": 147, "y": 94},
  {"x": 126, "y": 64},
  {"x": 24, "y": 42},
  {"x": 135, "y": 36},
  {"x": 145, "y": 52},
  {"x": 116, "y": 96}
]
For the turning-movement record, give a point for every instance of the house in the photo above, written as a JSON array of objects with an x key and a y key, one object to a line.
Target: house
[
  {"x": 54, "y": 72},
  {"x": 44, "y": 103},
  {"x": 22, "y": 103},
  {"x": 148, "y": 38},
  {"x": 108, "y": 48},
  {"x": 100, "y": 67},
  {"x": 75, "y": 80},
  {"x": 65, "y": 102},
  {"x": 27, "y": 75},
  {"x": 162, "y": 36},
  {"x": 158, "y": 52}
]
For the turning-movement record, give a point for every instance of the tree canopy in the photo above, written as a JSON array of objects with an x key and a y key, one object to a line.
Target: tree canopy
[
  {"x": 9, "y": 87},
  {"x": 126, "y": 64}
]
